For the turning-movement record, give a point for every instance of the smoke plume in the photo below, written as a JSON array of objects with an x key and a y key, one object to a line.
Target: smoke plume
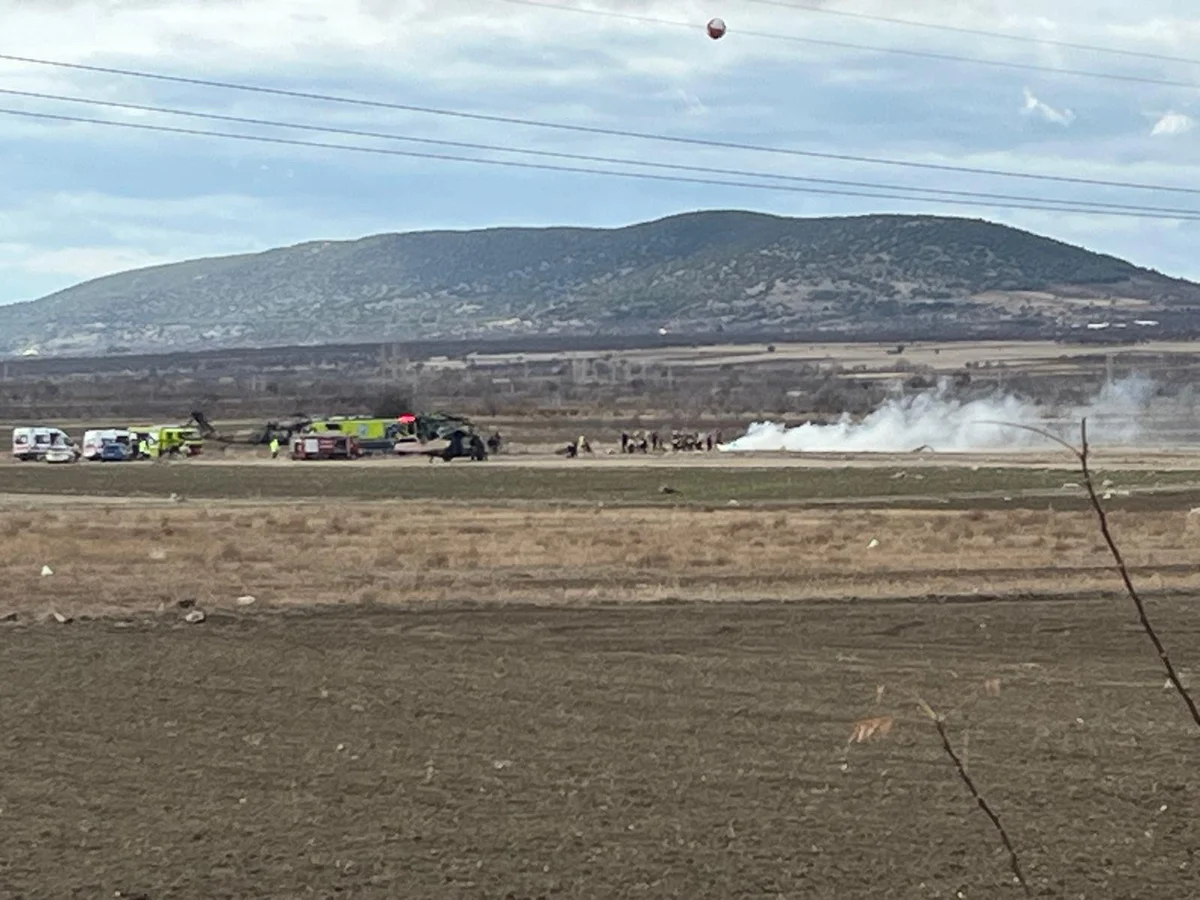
[{"x": 943, "y": 423}]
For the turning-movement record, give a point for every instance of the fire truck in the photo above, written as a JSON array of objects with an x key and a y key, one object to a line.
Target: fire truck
[{"x": 330, "y": 445}]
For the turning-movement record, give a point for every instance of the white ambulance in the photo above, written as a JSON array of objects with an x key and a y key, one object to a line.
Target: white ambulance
[
  {"x": 29, "y": 444},
  {"x": 94, "y": 441}
]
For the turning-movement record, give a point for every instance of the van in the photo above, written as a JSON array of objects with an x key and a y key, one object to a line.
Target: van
[
  {"x": 32, "y": 443},
  {"x": 95, "y": 439}
]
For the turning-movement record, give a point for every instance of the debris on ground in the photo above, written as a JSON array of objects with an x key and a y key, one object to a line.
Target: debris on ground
[
  {"x": 245, "y": 600},
  {"x": 195, "y": 617},
  {"x": 46, "y": 570}
]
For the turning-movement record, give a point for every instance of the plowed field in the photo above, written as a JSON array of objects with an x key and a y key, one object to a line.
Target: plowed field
[{"x": 661, "y": 751}]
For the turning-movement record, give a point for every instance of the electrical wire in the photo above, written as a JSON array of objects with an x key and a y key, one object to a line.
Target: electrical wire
[
  {"x": 590, "y": 129},
  {"x": 591, "y": 158},
  {"x": 1063, "y": 207},
  {"x": 868, "y": 48},
  {"x": 977, "y": 32}
]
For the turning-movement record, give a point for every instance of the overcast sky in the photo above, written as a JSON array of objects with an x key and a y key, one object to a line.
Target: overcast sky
[{"x": 78, "y": 201}]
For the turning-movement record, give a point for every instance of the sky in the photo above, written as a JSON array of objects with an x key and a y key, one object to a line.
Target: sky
[{"x": 82, "y": 200}]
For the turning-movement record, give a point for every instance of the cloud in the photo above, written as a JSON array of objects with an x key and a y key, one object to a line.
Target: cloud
[
  {"x": 687, "y": 101},
  {"x": 1034, "y": 106},
  {"x": 1173, "y": 123},
  {"x": 88, "y": 262}
]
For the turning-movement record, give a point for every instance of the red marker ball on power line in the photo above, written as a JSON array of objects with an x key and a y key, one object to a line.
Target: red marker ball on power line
[{"x": 716, "y": 29}]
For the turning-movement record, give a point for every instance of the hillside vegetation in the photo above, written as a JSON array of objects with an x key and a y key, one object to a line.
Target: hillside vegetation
[{"x": 717, "y": 271}]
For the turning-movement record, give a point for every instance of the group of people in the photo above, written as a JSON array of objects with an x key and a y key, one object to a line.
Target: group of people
[
  {"x": 680, "y": 441},
  {"x": 651, "y": 442}
]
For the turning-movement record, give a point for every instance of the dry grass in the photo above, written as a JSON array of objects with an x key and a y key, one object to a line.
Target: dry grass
[
  {"x": 876, "y": 727},
  {"x": 404, "y": 553}
]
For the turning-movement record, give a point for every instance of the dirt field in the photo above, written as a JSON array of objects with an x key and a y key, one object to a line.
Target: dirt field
[
  {"x": 545, "y": 680},
  {"x": 680, "y": 751},
  {"x": 943, "y": 356}
]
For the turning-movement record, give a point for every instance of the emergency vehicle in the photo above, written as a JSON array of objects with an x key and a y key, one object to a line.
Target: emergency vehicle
[
  {"x": 32, "y": 443},
  {"x": 371, "y": 433},
  {"x": 325, "y": 446},
  {"x": 95, "y": 439},
  {"x": 167, "y": 440}
]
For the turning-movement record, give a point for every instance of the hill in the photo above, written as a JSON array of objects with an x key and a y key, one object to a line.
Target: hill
[{"x": 720, "y": 271}]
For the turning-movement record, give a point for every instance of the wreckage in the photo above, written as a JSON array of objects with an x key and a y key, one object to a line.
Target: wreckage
[
  {"x": 440, "y": 435},
  {"x": 437, "y": 435},
  {"x": 258, "y": 435}
]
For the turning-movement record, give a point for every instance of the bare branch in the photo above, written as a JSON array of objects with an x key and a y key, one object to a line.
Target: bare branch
[
  {"x": 1082, "y": 454},
  {"x": 1014, "y": 861},
  {"x": 1033, "y": 428},
  {"x": 1147, "y": 627}
]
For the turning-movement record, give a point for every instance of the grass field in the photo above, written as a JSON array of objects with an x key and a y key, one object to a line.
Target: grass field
[
  {"x": 629, "y": 485},
  {"x": 135, "y": 559}
]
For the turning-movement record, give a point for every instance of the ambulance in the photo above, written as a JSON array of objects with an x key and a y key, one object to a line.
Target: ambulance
[
  {"x": 95, "y": 439},
  {"x": 33, "y": 443}
]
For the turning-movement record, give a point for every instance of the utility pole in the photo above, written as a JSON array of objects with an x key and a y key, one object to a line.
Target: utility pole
[{"x": 391, "y": 362}]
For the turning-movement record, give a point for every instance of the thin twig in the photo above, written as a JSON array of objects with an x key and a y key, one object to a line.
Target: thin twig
[
  {"x": 1082, "y": 454},
  {"x": 966, "y": 745},
  {"x": 1014, "y": 861},
  {"x": 1147, "y": 627}
]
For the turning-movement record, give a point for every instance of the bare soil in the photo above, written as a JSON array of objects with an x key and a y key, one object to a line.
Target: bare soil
[
  {"x": 667, "y": 751},
  {"x": 617, "y": 694}
]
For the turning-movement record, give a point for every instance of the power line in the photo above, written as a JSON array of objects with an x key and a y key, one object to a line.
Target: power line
[
  {"x": 590, "y": 129},
  {"x": 1062, "y": 207},
  {"x": 977, "y": 32},
  {"x": 847, "y": 45},
  {"x": 591, "y": 158}
]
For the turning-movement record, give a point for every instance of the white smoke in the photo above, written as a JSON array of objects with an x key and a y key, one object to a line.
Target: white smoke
[{"x": 943, "y": 423}]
